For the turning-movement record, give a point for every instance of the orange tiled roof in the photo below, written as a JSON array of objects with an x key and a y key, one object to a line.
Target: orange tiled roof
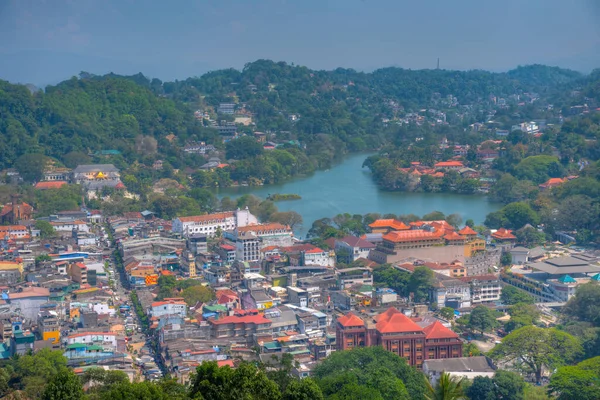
[
  {"x": 392, "y": 321},
  {"x": 503, "y": 233},
  {"x": 350, "y": 319},
  {"x": 439, "y": 331},
  {"x": 454, "y": 236},
  {"x": 553, "y": 182},
  {"x": 316, "y": 250},
  {"x": 389, "y": 223},
  {"x": 8, "y": 228},
  {"x": 445, "y": 164},
  {"x": 414, "y": 235},
  {"x": 50, "y": 185},
  {"x": 207, "y": 217},
  {"x": 163, "y": 303},
  {"x": 467, "y": 231}
]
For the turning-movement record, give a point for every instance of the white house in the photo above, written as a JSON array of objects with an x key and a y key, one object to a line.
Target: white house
[
  {"x": 68, "y": 226},
  {"x": 317, "y": 256},
  {"x": 169, "y": 307},
  {"x": 354, "y": 246},
  {"x": 15, "y": 231},
  {"x": 520, "y": 255},
  {"x": 209, "y": 223}
]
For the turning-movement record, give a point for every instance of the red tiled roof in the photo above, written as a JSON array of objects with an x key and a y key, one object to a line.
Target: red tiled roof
[
  {"x": 298, "y": 248},
  {"x": 247, "y": 319},
  {"x": 50, "y": 185},
  {"x": 207, "y": 217},
  {"x": 316, "y": 250},
  {"x": 393, "y": 321},
  {"x": 269, "y": 248},
  {"x": 260, "y": 228},
  {"x": 350, "y": 319},
  {"x": 467, "y": 231},
  {"x": 503, "y": 233},
  {"x": 227, "y": 292},
  {"x": 439, "y": 331},
  {"x": 25, "y": 209},
  {"x": 223, "y": 363},
  {"x": 389, "y": 223},
  {"x": 226, "y": 298},
  {"x": 30, "y": 292},
  {"x": 415, "y": 235},
  {"x": 354, "y": 241},
  {"x": 330, "y": 242}
]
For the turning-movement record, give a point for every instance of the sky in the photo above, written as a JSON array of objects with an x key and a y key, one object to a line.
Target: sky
[{"x": 46, "y": 41}]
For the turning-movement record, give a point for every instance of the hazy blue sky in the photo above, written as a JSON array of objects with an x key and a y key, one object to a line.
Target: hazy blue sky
[{"x": 47, "y": 41}]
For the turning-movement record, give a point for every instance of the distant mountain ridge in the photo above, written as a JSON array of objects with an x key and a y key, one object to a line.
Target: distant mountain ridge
[{"x": 92, "y": 113}]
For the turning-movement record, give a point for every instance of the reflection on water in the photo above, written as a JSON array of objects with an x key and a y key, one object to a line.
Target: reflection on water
[{"x": 348, "y": 188}]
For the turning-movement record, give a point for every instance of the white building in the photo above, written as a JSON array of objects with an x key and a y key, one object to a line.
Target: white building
[
  {"x": 484, "y": 288},
  {"x": 354, "y": 246},
  {"x": 106, "y": 338},
  {"x": 209, "y": 223},
  {"x": 68, "y": 226},
  {"x": 271, "y": 234},
  {"x": 169, "y": 307},
  {"x": 15, "y": 231},
  {"x": 317, "y": 256},
  {"x": 526, "y": 127}
]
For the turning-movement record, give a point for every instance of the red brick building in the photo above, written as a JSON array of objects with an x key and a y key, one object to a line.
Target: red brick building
[{"x": 399, "y": 334}]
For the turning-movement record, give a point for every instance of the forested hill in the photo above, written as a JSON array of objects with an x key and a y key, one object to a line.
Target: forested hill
[{"x": 91, "y": 113}]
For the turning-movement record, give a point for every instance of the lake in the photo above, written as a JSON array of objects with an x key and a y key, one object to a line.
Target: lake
[{"x": 348, "y": 188}]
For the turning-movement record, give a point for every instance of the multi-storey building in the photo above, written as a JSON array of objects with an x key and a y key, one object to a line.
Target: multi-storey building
[
  {"x": 426, "y": 240},
  {"x": 48, "y": 326},
  {"x": 10, "y": 272},
  {"x": 271, "y": 234},
  {"x": 247, "y": 246},
  {"x": 169, "y": 307},
  {"x": 209, "y": 224},
  {"x": 78, "y": 272},
  {"x": 240, "y": 326},
  {"x": 484, "y": 288},
  {"x": 399, "y": 334}
]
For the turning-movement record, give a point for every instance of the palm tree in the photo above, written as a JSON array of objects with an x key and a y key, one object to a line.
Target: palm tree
[{"x": 447, "y": 388}]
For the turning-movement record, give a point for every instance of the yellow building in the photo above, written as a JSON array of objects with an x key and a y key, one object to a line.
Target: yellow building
[
  {"x": 11, "y": 271},
  {"x": 48, "y": 326},
  {"x": 474, "y": 247}
]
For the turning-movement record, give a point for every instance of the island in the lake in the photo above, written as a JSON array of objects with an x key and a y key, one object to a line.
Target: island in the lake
[{"x": 282, "y": 197}]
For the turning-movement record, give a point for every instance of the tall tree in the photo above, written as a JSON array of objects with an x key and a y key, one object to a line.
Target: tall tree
[
  {"x": 447, "y": 388},
  {"x": 420, "y": 282},
  {"x": 531, "y": 350},
  {"x": 64, "y": 386},
  {"x": 482, "y": 319},
  {"x": 574, "y": 383},
  {"x": 511, "y": 295}
]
